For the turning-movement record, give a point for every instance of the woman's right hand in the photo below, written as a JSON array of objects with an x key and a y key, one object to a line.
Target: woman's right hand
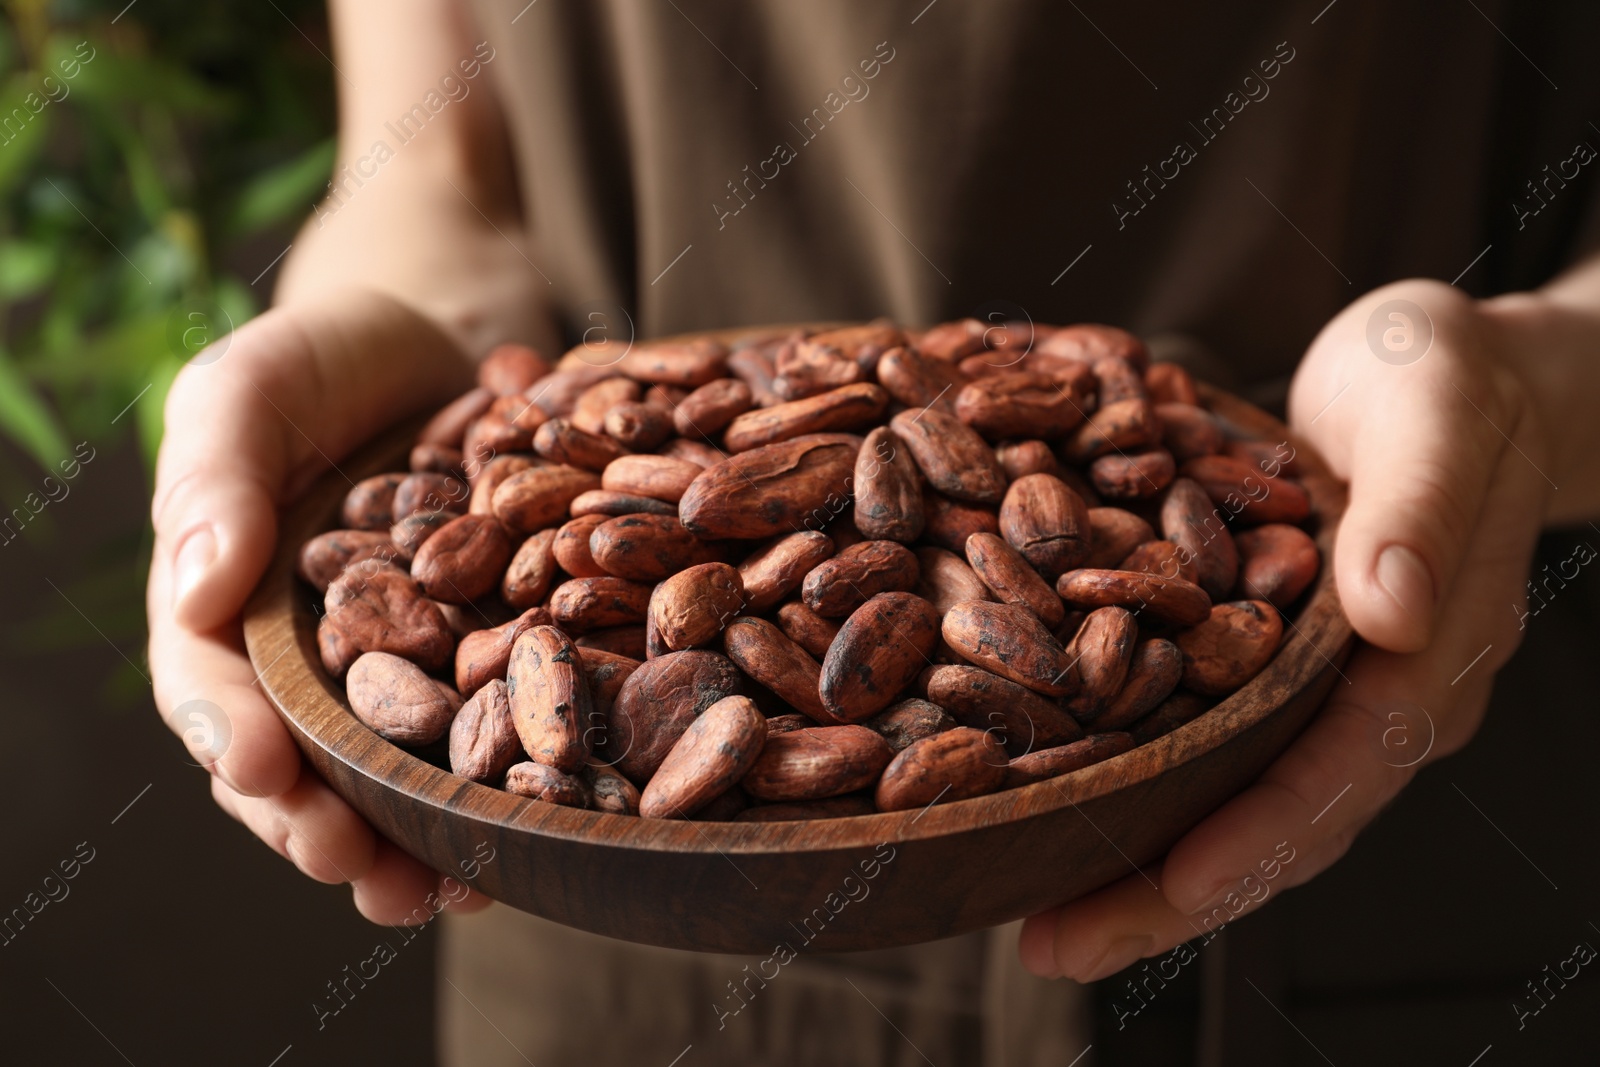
[{"x": 247, "y": 429}]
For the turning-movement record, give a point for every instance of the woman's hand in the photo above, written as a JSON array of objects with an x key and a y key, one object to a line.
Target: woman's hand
[
  {"x": 292, "y": 392},
  {"x": 1448, "y": 469}
]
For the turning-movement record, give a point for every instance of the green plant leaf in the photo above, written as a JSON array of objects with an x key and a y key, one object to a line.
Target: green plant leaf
[
  {"x": 26, "y": 418},
  {"x": 284, "y": 192}
]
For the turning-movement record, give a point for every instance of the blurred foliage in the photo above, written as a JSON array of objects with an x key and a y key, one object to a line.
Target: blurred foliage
[
  {"x": 155, "y": 157},
  {"x": 146, "y": 151}
]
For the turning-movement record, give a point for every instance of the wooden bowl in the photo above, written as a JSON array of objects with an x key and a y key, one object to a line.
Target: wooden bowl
[{"x": 865, "y": 882}]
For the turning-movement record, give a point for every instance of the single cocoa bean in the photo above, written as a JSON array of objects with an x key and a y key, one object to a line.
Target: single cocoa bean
[
  {"x": 1023, "y": 404},
  {"x": 824, "y": 761},
  {"x": 1009, "y": 641},
  {"x": 656, "y": 704},
  {"x": 658, "y": 477},
  {"x": 1168, "y": 599},
  {"x": 1231, "y": 647},
  {"x": 463, "y": 560},
  {"x": 1133, "y": 475},
  {"x": 807, "y": 629},
  {"x": 710, "y": 758},
  {"x": 483, "y": 738},
  {"x": 612, "y": 504},
  {"x": 637, "y": 426},
  {"x": 1021, "y": 719},
  {"x": 590, "y": 409},
  {"x": 539, "y": 782},
  {"x": 571, "y": 547},
  {"x": 1163, "y": 558},
  {"x": 381, "y": 609},
  {"x": 325, "y": 556},
  {"x": 946, "y": 580},
  {"x": 838, "y": 586},
  {"x": 1246, "y": 493},
  {"x": 369, "y": 505},
  {"x": 1125, "y": 426},
  {"x": 1011, "y": 579},
  {"x": 1100, "y": 653},
  {"x": 888, "y": 489},
  {"x": 1042, "y": 518},
  {"x": 1155, "y": 671},
  {"x": 904, "y": 723},
  {"x": 561, "y": 442},
  {"x": 695, "y": 605},
  {"x": 948, "y": 523},
  {"x": 1113, "y": 533},
  {"x": 609, "y": 791},
  {"x": 549, "y": 695},
  {"x": 647, "y": 548},
  {"x": 1053, "y": 762},
  {"x": 532, "y": 499},
  {"x": 952, "y": 457},
  {"x": 449, "y": 426},
  {"x": 953, "y": 765},
  {"x": 707, "y": 411},
  {"x": 530, "y": 572},
  {"x": 849, "y": 407},
  {"x": 762, "y": 651},
  {"x": 774, "y": 571},
  {"x": 585, "y": 604},
  {"x": 396, "y": 700},
  {"x": 880, "y": 648},
  {"x": 1276, "y": 563},
  {"x": 1190, "y": 521},
  {"x": 774, "y": 489}
]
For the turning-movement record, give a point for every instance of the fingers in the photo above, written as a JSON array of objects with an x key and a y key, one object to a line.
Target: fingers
[
  {"x": 397, "y": 890},
  {"x": 309, "y": 825},
  {"x": 1334, "y": 779},
  {"x": 1417, "y": 441},
  {"x": 294, "y": 390}
]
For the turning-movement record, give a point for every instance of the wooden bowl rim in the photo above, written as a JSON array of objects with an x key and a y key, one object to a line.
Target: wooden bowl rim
[{"x": 281, "y": 603}]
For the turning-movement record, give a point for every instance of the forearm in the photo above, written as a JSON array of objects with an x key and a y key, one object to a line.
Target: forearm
[
  {"x": 425, "y": 212},
  {"x": 1551, "y": 339}
]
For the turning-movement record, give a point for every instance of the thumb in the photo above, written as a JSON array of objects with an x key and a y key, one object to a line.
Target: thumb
[
  {"x": 1417, "y": 433},
  {"x": 289, "y": 393}
]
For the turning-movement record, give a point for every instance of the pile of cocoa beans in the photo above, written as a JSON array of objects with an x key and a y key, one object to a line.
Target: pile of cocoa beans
[{"x": 808, "y": 576}]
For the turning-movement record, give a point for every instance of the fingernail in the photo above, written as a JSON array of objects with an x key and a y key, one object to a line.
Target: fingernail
[
  {"x": 1124, "y": 951},
  {"x": 195, "y": 556},
  {"x": 1405, "y": 577}
]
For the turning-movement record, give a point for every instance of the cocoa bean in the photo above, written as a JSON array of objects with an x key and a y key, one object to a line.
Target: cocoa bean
[
  {"x": 1019, "y": 458},
  {"x": 530, "y": 572},
  {"x": 707, "y": 411},
  {"x": 612, "y": 504},
  {"x": 490, "y": 473},
  {"x": 909, "y": 721},
  {"x": 590, "y": 409},
  {"x": 1088, "y": 341},
  {"x": 369, "y": 505},
  {"x": 888, "y": 489},
  {"x": 1155, "y": 671},
  {"x": 712, "y": 755},
  {"x": 647, "y": 548},
  {"x": 838, "y": 586},
  {"x": 762, "y": 651},
  {"x": 918, "y": 381},
  {"x": 637, "y": 426},
  {"x": 483, "y": 738},
  {"x": 561, "y": 442},
  {"x": 880, "y": 648},
  {"x": 1023, "y": 404},
  {"x": 1100, "y": 653},
  {"x": 1170, "y": 383},
  {"x": 951, "y": 341},
  {"x": 571, "y": 547},
  {"x": 1276, "y": 563},
  {"x": 463, "y": 560},
  {"x": 849, "y": 407},
  {"x": 1113, "y": 533},
  {"x": 952, "y": 457},
  {"x": 609, "y": 791},
  {"x": 948, "y": 523},
  {"x": 658, "y": 477},
  {"x": 1009, "y": 641},
  {"x": 953, "y": 765},
  {"x": 807, "y": 629},
  {"x": 408, "y": 534},
  {"x": 1190, "y": 521},
  {"x": 774, "y": 571},
  {"x": 1042, "y": 518},
  {"x": 1133, "y": 475},
  {"x": 695, "y": 605},
  {"x": 1126, "y": 426},
  {"x": 1230, "y": 648},
  {"x": 1168, "y": 599},
  {"x": 687, "y": 363},
  {"x": 585, "y": 604},
  {"x": 657, "y": 703},
  {"x": 511, "y": 368},
  {"x": 946, "y": 580},
  {"x": 1246, "y": 493},
  {"x": 484, "y": 654},
  {"x": 1053, "y": 762},
  {"x": 325, "y": 556},
  {"x": 449, "y": 426},
  {"x": 549, "y": 695},
  {"x": 1163, "y": 558},
  {"x": 441, "y": 459},
  {"x": 807, "y": 369},
  {"x": 539, "y": 782},
  {"x": 1189, "y": 432},
  {"x": 824, "y": 761},
  {"x": 774, "y": 489},
  {"x": 629, "y": 641},
  {"x": 1020, "y": 718},
  {"x": 396, "y": 700},
  {"x": 532, "y": 499},
  {"x": 381, "y": 609},
  {"x": 1012, "y": 580}
]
